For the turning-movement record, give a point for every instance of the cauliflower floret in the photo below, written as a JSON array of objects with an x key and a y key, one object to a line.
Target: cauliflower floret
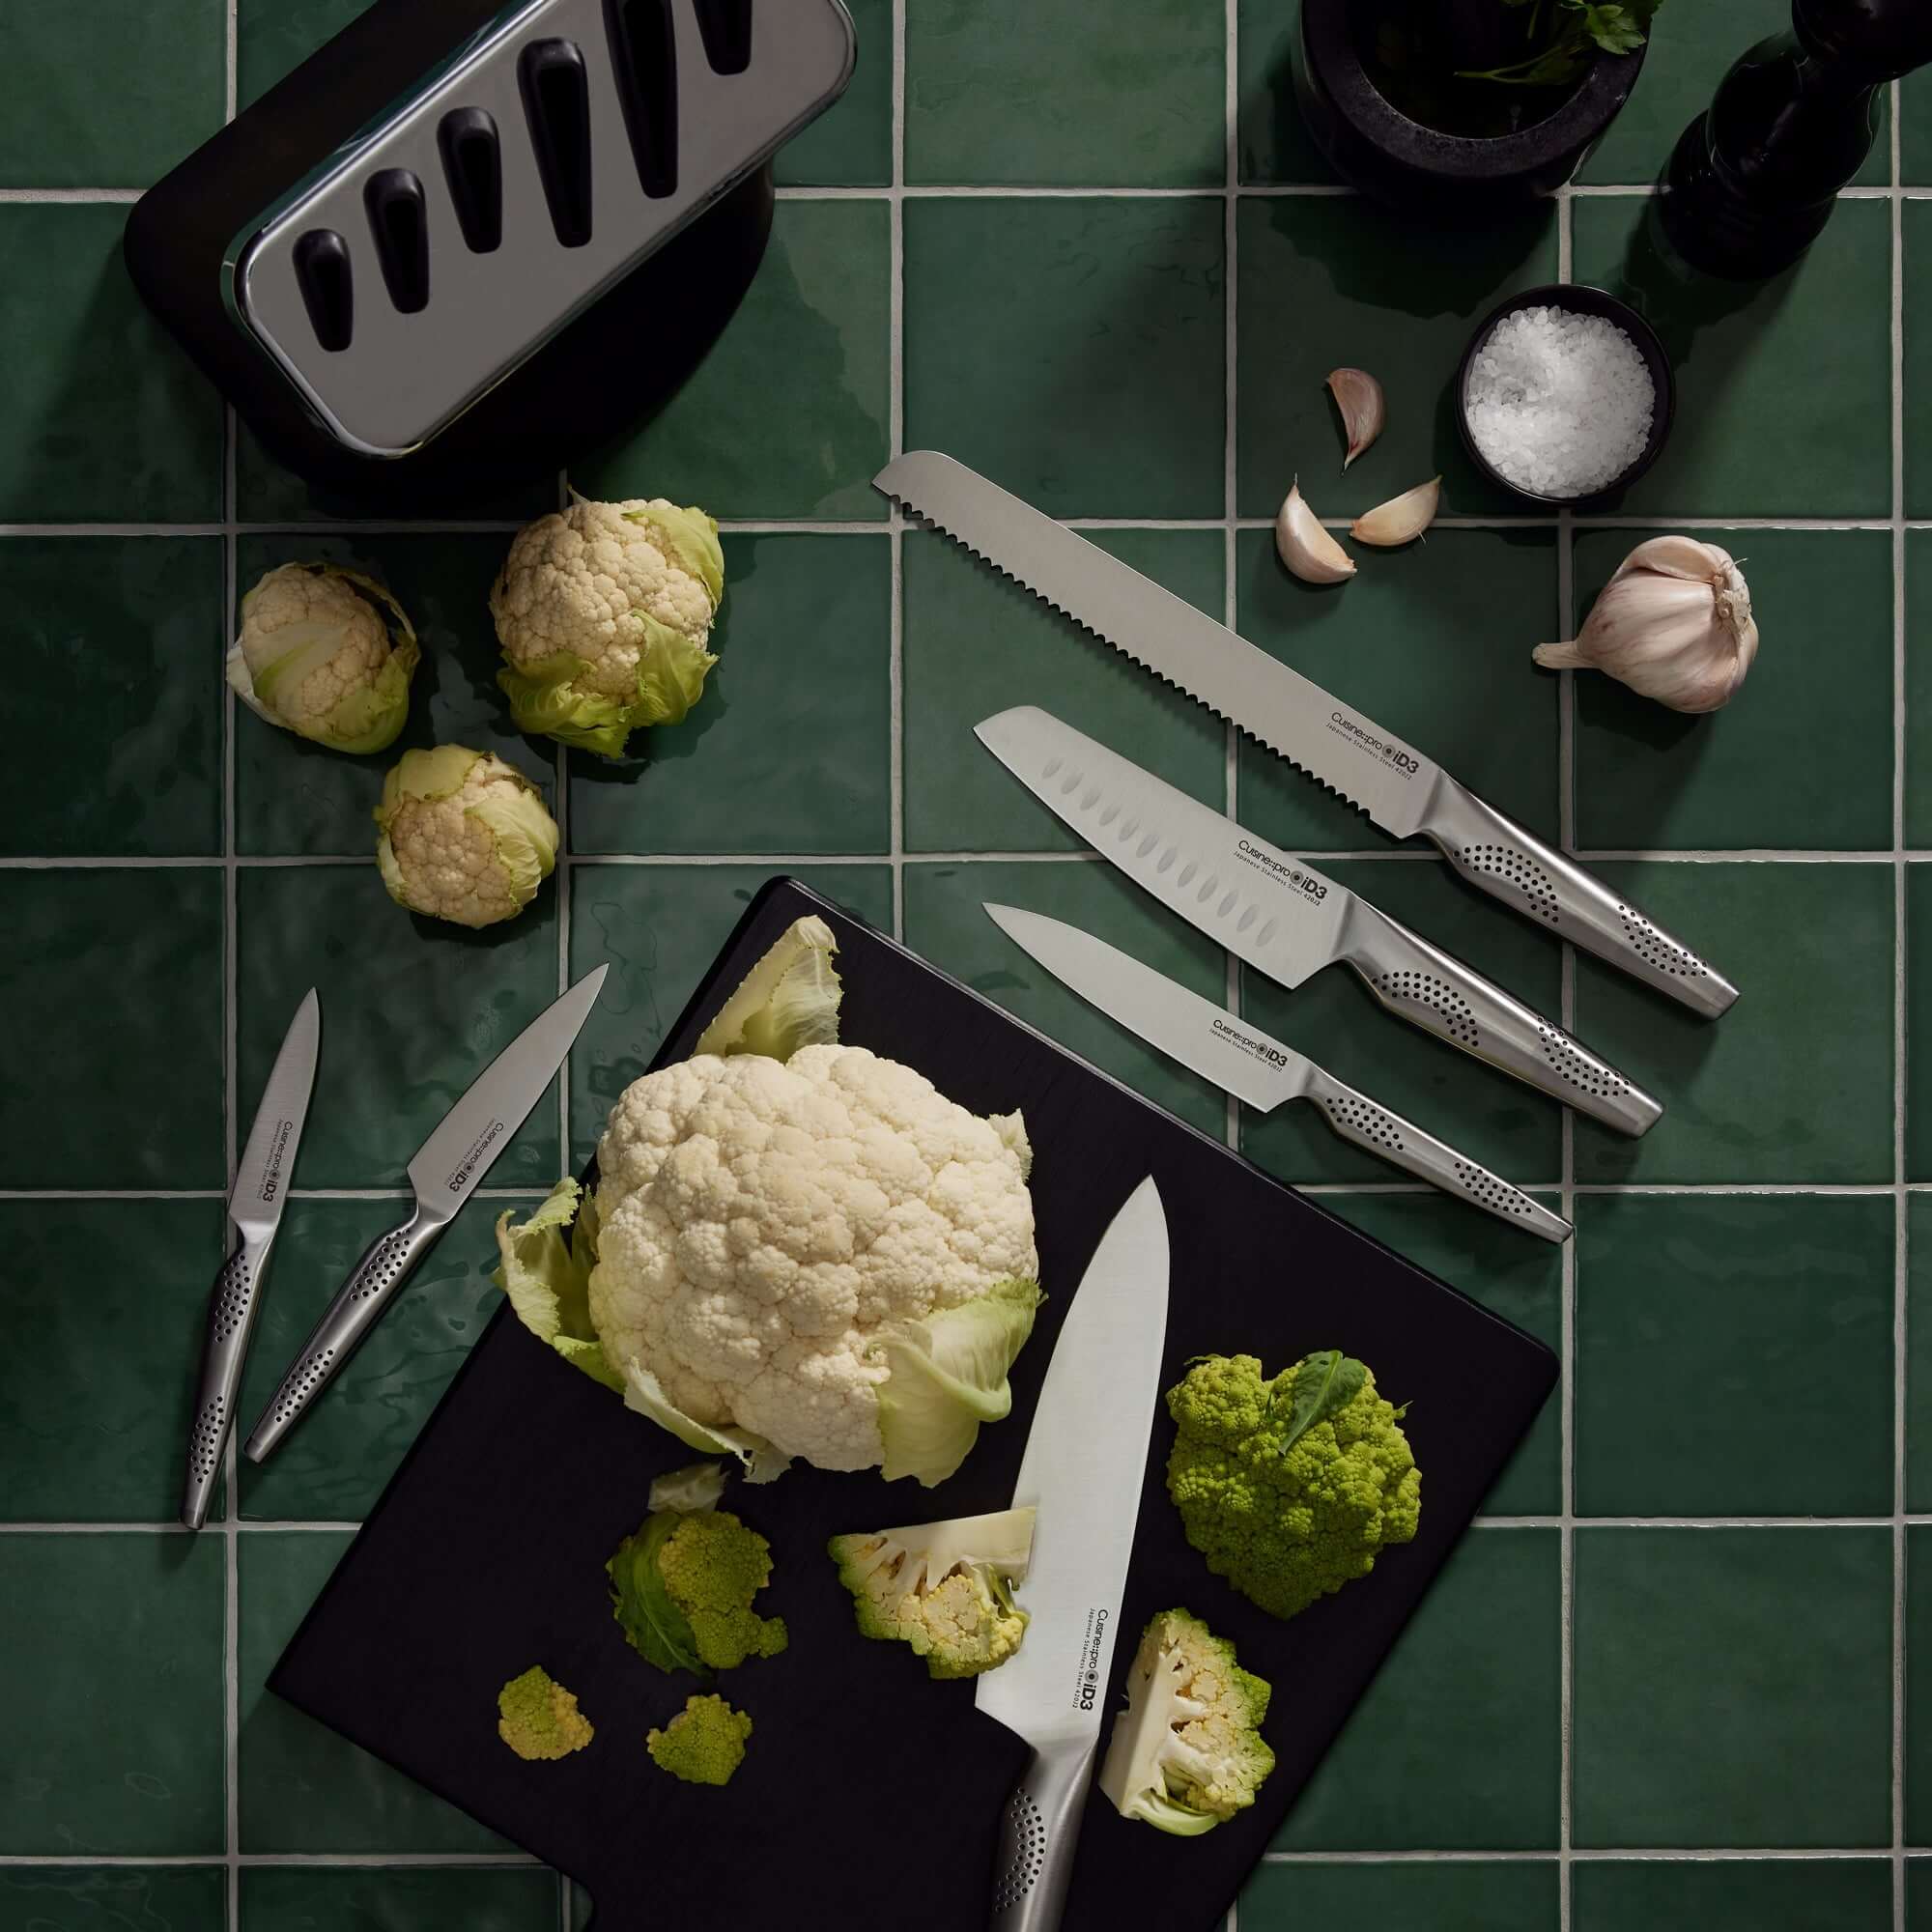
[
  {"x": 539, "y": 1719},
  {"x": 326, "y": 653},
  {"x": 704, "y": 1744},
  {"x": 604, "y": 611},
  {"x": 464, "y": 836}
]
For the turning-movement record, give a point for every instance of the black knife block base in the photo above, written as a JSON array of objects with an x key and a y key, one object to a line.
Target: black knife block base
[{"x": 607, "y": 370}]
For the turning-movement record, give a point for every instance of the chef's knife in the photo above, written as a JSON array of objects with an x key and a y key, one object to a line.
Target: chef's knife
[
  {"x": 1279, "y": 913},
  {"x": 255, "y": 1204},
  {"x": 449, "y": 1168},
  {"x": 1401, "y": 790},
  {"x": 1241, "y": 1060},
  {"x": 1086, "y": 1457}
]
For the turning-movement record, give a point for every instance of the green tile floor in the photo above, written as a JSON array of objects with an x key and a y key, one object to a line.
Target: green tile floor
[{"x": 1681, "y": 1674}]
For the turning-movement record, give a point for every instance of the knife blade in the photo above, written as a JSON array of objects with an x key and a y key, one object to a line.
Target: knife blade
[
  {"x": 1082, "y": 1471},
  {"x": 449, "y": 1168},
  {"x": 1402, "y": 790},
  {"x": 255, "y": 1204},
  {"x": 1257, "y": 1068},
  {"x": 1282, "y": 915}
]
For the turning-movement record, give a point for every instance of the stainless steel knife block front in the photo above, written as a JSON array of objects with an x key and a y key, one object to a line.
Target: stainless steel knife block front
[{"x": 466, "y": 242}]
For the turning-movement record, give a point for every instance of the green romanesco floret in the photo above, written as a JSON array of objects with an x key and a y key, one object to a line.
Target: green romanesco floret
[
  {"x": 704, "y": 1744},
  {"x": 1187, "y": 1752},
  {"x": 539, "y": 1719},
  {"x": 1288, "y": 1487},
  {"x": 682, "y": 1589},
  {"x": 943, "y": 1588}
]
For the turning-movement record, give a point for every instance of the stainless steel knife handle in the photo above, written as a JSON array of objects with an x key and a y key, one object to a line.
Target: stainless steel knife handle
[
  {"x": 1510, "y": 864},
  {"x": 1039, "y": 1831},
  {"x": 359, "y": 1304},
  {"x": 231, "y": 1315},
  {"x": 1355, "y": 1118},
  {"x": 1434, "y": 990}
]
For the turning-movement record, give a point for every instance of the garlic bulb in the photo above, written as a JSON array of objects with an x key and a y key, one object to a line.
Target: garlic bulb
[
  {"x": 1674, "y": 623},
  {"x": 1305, "y": 547}
]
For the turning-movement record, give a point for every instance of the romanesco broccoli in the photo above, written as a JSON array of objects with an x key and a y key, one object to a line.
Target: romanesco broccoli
[
  {"x": 704, "y": 1744},
  {"x": 682, "y": 1589},
  {"x": 539, "y": 1718}
]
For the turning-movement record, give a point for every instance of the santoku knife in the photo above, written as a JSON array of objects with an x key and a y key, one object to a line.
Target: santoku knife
[
  {"x": 1241, "y": 1060},
  {"x": 449, "y": 1168},
  {"x": 1282, "y": 915},
  {"x": 1401, "y": 790},
  {"x": 1085, "y": 1462},
  {"x": 255, "y": 1204}
]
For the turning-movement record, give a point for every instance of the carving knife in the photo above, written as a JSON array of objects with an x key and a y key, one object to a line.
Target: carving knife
[
  {"x": 1280, "y": 916},
  {"x": 1086, "y": 1457},
  {"x": 1243, "y": 1061},
  {"x": 449, "y": 1168},
  {"x": 255, "y": 1204},
  {"x": 1404, "y": 791}
]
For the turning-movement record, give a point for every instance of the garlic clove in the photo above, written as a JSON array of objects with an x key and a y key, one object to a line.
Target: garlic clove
[
  {"x": 1305, "y": 547},
  {"x": 1402, "y": 519},
  {"x": 1359, "y": 398}
]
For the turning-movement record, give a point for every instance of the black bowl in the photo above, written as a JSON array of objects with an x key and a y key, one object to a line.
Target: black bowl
[{"x": 1576, "y": 298}]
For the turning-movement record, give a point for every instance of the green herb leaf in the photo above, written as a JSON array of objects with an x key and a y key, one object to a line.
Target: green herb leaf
[
  {"x": 1612, "y": 27},
  {"x": 657, "y": 1629},
  {"x": 1326, "y": 1382}
]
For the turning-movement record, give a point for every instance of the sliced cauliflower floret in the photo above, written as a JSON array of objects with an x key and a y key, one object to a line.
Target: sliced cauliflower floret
[{"x": 464, "y": 836}]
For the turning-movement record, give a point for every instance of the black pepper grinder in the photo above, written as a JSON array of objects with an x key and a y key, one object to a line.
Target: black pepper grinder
[{"x": 1750, "y": 183}]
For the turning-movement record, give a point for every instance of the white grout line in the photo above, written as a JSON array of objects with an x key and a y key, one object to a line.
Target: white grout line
[
  {"x": 895, "y": 446},
  {"x": 1900, "y": 1044}
]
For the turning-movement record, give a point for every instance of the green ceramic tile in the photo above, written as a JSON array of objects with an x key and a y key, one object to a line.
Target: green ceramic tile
[
  {"x": 1654, "y": 779},
  {"x": 1917, "y": 689},
  {"x": 1794, "y": 1084},
  {"x": 1334, "y": 1019},
  {"x": 1274, "y": 145},
  {"x": 1456, "y": 1745},
  {"x": 71, "y": 74},
  {"x": 850, "y": 145},
  {"x": 1766, "y": 1895},
  {"x": 1331, "y": 279},
  {"x": 1918, "y": 1686},
  {"x": 274, "y": 35},
  {"x": 122, "y": 626},
  {"x": 1916, "y": 216},
  {"x": 110, "y": 1674},
  {"x": 305, "y": 1899},
  {"x": 1727, "y": 1348},
  {"x": 1783, "y": 387},
  {"x": 788, "y": 416},
  {"x": 1518, "y": 1279},
  {"x": 113, "y": 1898},
  {"x": 412, "y": 1010},
  {"x": 1917, "y": 1021},
  {"x": 792, "y": 749},
  {"x": 335, "y": 1466},
  {"x": 1711, "y": 1662},
  {"x": 1071, "y": 348},
  {"x": 1422, "y": 1895},
  {"x": 303, "y": 1788},
  {"x": 944, "y": 924},
  {"x": 117, "y": 1081},
  {"x": 295, "y": 797},
  {"x": 1026, "y": 92},
  {"x": 1918, "y": 1892},
  {"x": 1691, "y": 50},
  {"x": 976, "y": 642},
  {"x": 1915, "y": 130},
  {"x": 92, "y": 1433},
  {"x": 102, "y": 420},
  {"x": 1433, "y": 642},
  {"x": 1918, "y": 1353},
  {"x": 659, "y": 928}
]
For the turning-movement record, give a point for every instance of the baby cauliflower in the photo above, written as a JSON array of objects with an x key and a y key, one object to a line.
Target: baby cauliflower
[
  {"x": 704, "y": 1744},
  {"x": 539, "y": 1719},
  {"x": 464, "y": 836},
  {"x": 603, "y": 611},
  {"x": 326, "y": 653}
]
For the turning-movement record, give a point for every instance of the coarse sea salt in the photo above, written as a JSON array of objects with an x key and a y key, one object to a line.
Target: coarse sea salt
[{"x": 1559, "y": 402}]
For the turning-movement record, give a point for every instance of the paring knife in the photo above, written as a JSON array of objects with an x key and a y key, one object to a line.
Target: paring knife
[
  {"x": 255, "y": 1204},
  {"x": 1279, "y": 913},
  {"x": 1085, "y": 1459},
  {"x": 1241, "y": 1060},
  {"x": 449, "y": 1168},
  {"x": 1401, "y": 790}
]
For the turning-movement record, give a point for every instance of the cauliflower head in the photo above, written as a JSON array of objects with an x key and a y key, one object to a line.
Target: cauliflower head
[
  {"x": 604, "y": 611},
  {"x": 327, "y": 654},
  {"x": 1288, "y": 1487},
  {"x": 463, "y": 836},
  {"x": 943, "y": 1588},
  {"x": 682, "y": 1588},
  {"x": 538, "y": 1719},
  {"x": 704, "y": 1744},
  {"x": 823, "y": 1255},
  {"x": 1187, "y": 1752}
]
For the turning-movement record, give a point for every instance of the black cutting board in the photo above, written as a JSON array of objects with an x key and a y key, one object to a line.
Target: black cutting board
[{"x": 870, "y": 1793}]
